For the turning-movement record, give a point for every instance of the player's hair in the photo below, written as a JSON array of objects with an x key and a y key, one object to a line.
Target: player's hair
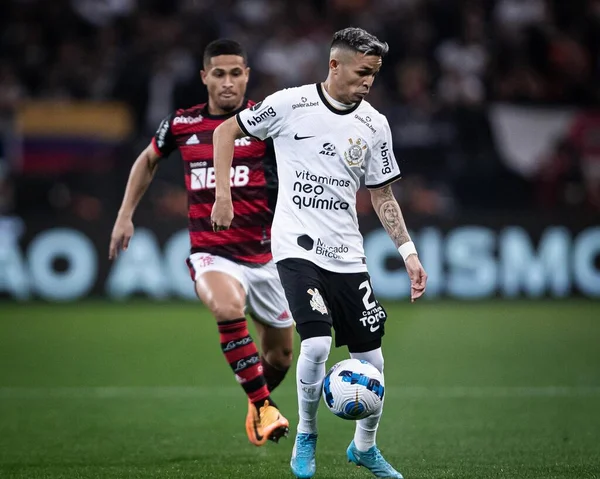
[
  {"x": 359, "y": 40},
  {"x": 223, "y": 47}
]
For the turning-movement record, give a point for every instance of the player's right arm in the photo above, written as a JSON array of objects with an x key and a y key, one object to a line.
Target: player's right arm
[
  {"x": 223, "y": 145},
  {"x": 141, "y": 175},
  {"x": 261, "y": 121}
]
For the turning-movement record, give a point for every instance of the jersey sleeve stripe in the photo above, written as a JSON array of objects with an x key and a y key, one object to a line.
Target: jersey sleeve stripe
[
  {"x": 155, "y": 146},
  {"x": 243, "y": 128},
  {"x": 385, "y": 183}
]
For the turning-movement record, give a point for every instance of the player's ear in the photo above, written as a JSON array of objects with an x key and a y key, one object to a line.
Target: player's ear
[
  {"x": 203, "y": 75},
  {"x": 334, "y": 64}
]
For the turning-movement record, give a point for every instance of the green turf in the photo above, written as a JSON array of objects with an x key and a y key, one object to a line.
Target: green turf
[{"x": 140, "y": 390}]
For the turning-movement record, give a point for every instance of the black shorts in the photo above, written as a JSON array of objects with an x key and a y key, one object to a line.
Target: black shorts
[{"x": 343, "y": 300}]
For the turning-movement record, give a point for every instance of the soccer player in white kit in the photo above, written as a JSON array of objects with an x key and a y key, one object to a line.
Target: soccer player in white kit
[{"x": 326, "y": 139}]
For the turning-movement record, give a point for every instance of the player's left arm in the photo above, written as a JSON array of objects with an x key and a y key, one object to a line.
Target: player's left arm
[
  {"x": 381, "y": 171},
  {"x": 223, "y": 146},
  {"x": 390, "y": 215}
]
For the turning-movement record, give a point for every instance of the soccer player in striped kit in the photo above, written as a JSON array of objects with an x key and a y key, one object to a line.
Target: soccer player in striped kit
[{"x": 234, "y": 268}]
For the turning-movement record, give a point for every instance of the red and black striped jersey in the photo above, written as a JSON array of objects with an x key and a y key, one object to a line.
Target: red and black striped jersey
[{"x": 249, "y": 238}]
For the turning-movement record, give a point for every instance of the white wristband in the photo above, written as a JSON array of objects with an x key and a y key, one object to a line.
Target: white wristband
[{"x": 407, "y": 249}]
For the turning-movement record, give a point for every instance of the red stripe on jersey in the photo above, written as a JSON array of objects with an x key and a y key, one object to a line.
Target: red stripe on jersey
[
  {"x": 255, "y": 149},
  {"x": 198, "y": 152},
  {"x": 256, "y": 258},
  {"x": 240, "y": 208},
  {"x": 210, "y": 238}
]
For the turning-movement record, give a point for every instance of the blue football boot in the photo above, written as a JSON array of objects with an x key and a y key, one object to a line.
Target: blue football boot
[
  {"x": 303, "y": 456},
  {"x": 373, "y": 461}
]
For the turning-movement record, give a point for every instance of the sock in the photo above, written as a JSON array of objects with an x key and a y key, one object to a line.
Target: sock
[
  {"x": 365, "y": 434},
  {"x": 273, "y": 375},
  {"x": 242, "y": 355},
  {"x": 310, "y": 372}
]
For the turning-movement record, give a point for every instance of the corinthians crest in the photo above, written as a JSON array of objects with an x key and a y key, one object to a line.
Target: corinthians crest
[
  {"x": 355, "y": 153},
  {"x": 316, "y": 302}
]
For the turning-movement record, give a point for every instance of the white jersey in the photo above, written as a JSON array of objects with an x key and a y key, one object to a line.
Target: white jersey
[{"x": 321, "y": 153}]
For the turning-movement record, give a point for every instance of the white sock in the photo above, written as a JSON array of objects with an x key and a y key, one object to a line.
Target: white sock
[
  {"x": 365, "y": 433},
  {"x": 310, "y": 372}
]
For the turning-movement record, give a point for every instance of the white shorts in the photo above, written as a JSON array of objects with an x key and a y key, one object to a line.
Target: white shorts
[{"x": 264, "y": 292}]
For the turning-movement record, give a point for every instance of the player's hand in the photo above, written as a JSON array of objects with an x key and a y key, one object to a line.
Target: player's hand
[
  {"x": 121, "y": 235},
  {"x": 222, "y": 214},
  {"x": 417, "y": 275}
]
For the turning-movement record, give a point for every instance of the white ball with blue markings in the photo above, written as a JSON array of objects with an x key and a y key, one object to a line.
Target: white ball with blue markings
[{"x": 353, "y": 389}]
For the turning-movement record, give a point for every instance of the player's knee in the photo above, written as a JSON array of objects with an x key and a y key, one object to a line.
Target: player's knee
[
  {"x": 316, "y": 349},
  {"x": 279, "y": 358},
  {"x": 227, "y": 311}
]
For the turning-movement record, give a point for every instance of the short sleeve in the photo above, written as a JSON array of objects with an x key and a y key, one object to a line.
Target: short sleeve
[
  {"x": 164, "y": 141},
  {"x": 382, "y": 167},
  {"x": 265, "y": 119}
]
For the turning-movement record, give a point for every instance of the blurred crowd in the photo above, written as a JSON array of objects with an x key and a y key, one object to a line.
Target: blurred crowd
[{"x": 448, "y": 60}]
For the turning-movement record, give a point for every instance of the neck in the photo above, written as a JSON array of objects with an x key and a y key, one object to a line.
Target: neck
[{"x": 333, "y": 92}]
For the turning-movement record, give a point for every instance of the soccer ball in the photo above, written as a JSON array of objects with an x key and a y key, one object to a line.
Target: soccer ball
[{"x": 353, "y": 389}]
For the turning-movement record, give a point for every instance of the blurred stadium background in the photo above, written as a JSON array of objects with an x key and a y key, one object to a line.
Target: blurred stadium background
[{"x": 112, "y": 370}]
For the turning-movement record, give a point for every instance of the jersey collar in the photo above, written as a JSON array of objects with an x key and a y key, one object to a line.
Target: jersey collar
[
  {"x": 331, "y": 107},
  {"x": 206, "y": 114}
]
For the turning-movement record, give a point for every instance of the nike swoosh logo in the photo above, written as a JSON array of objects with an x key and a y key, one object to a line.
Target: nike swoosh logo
[
  {"x": 258, "y": 436},
  {"x": 296, "y": 137},
  {"x": 308, "y": 384},
  {"x": 374, "y": 328}
]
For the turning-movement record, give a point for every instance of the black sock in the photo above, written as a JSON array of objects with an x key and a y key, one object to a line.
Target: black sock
[{"x": 272, "y": 375}]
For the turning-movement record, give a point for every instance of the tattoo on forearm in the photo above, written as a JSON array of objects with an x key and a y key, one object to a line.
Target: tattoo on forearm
[{"x": 391, "y": 217}]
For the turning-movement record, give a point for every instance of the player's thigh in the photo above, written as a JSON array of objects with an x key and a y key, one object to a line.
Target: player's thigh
[
  {"x": 306, "y": 292},
  {"x": 270, "y": 310},
  {"x": 358, "y": 317},
  {"x": 219, "y": 284},
  {"x": 266, "y": 296}
]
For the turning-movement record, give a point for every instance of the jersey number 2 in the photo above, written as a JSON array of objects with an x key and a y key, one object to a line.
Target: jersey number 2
[{"x": 367, "y": 296}]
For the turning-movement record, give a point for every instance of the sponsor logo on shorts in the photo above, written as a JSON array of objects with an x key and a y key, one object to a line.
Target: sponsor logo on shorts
[
  {"x": 204, "y": 261},
  {"x": 371, "y": 318},
  {"x": 316, "y": 302}
]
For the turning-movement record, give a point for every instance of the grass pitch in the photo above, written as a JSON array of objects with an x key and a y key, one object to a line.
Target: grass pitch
[{"x": 140, "y": 390}]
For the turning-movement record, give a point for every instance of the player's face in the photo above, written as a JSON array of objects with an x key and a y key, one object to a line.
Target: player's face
[
  {"x": 226, "y": 78},
  {"x": 355, "y": 74}
]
